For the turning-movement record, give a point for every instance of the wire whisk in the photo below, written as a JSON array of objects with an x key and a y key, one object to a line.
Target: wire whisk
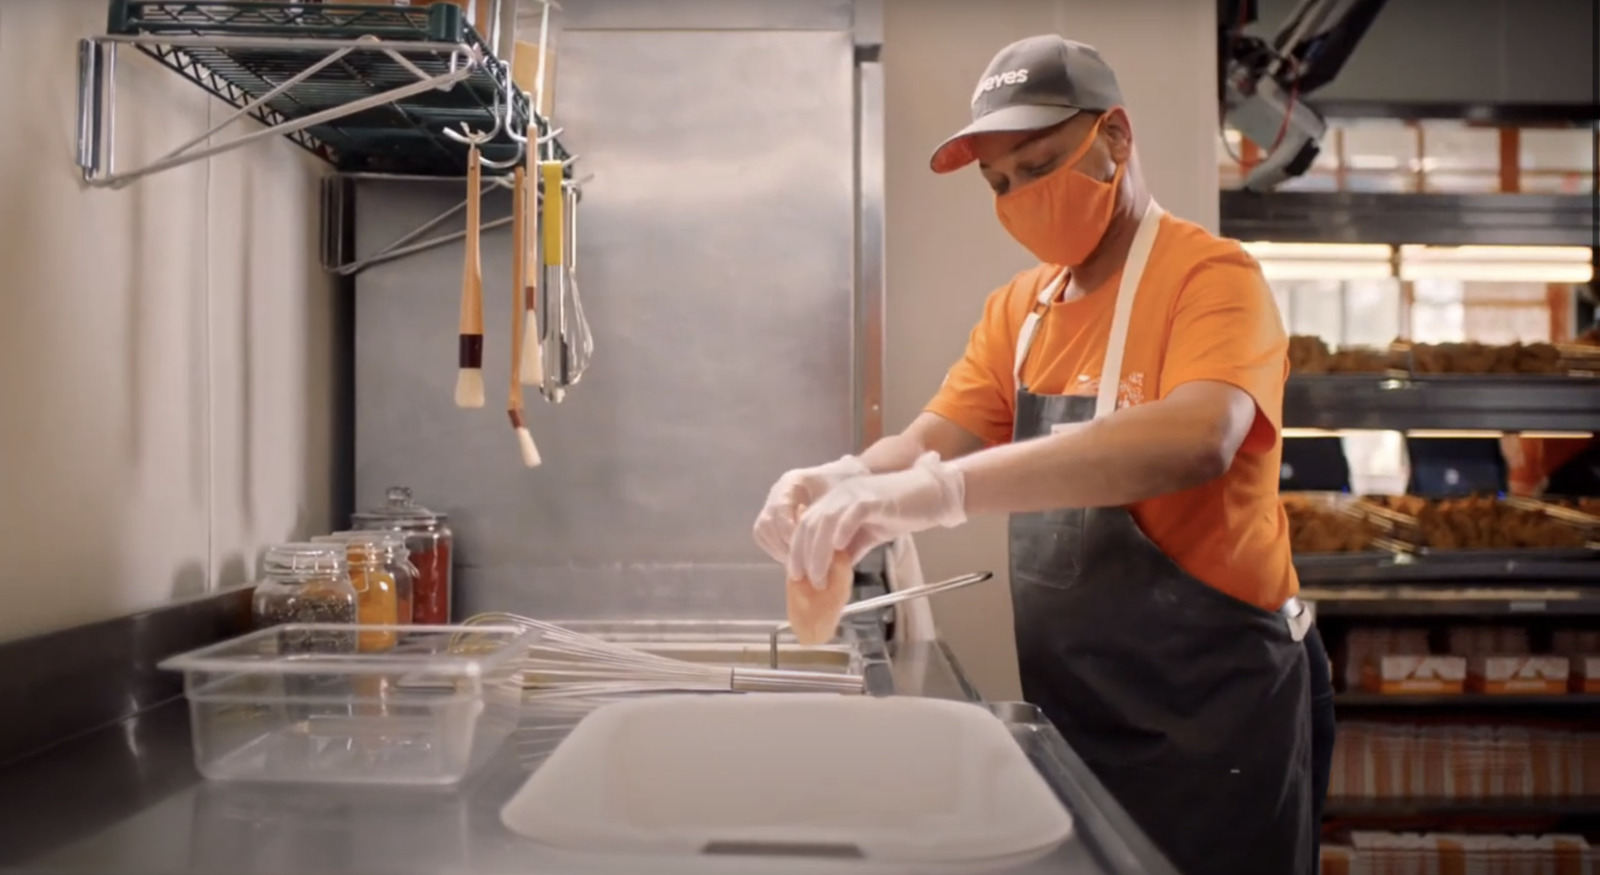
[{"x": 565, "y": 664}]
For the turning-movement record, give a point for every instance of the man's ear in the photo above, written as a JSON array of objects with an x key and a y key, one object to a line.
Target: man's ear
[{"x": 1118, "y": 131}]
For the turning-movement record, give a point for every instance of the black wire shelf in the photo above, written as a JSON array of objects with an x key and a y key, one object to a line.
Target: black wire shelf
[{"x": 242, "y": 52}]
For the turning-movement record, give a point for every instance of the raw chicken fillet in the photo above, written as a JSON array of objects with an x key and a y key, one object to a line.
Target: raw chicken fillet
[{"x": 813, "y": 612}]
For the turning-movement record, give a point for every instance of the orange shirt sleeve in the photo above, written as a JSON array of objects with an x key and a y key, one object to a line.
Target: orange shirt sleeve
[
  {"x": 1226, "y": 328},
  {"x": 978, "y": 392}
]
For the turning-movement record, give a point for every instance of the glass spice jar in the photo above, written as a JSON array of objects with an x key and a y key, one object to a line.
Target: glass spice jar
[
  {"x": 305, "y": 583},
  {"x": 397, "y": 559},
  {"x": 377, "y": 597},
  {"x": 430, "y": 543}
]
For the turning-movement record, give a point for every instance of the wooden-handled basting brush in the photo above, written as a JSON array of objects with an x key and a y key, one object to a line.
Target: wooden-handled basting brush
[
  {"x": 469, "y": 378},
  {"x": 519, "y": 230},
  {"x": 527, "y": 71}
]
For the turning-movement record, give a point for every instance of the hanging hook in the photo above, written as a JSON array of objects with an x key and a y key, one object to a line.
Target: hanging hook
[
  {"x": 501, "y": 111},
  {"x": 469, "y": 137},
  {"x": 503, "y": 165},
  {"x": 522, "y": 135}
]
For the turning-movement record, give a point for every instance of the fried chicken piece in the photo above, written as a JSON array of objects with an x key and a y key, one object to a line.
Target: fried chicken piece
[
  {"x": 1317, "y": 528},
  {"x": 1308, "y": 354},
  {"x": 1484, "y": 523},
  {"x": 1482, "y": 358}
]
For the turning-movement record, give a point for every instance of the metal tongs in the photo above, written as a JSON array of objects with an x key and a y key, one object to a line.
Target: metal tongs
[{"x": 867, "y": 606}]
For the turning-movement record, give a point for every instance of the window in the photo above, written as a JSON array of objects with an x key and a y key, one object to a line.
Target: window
[
  {"x": 1372, "y": 312},
  {"x": 1341, "y": 312},
  {"x": 1504, "y": 312}
]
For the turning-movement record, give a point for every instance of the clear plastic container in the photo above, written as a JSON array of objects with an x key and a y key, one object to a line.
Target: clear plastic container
[
  {"x": 426, "y": 712},
  {"x": 431, "y": 545},
  {"x": 304, "y": 583}
]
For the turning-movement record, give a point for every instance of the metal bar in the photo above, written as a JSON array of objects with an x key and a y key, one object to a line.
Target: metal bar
[
  {"x": 871, "y": 292},
  {"x": 420, "y": 246},
  {"x": 333, "y": 214},
  {"x": 108, "y": 69},
  {"x": 251, "y": 105},
  {"x": 1398, "y": 218},
  {"x": 89, "y": 103},
  {"x": 1493, "y": 113},
  {"x": 299, "y": 124},
  {"x": 887, "y": 600},
  {"x": 404, "y": 245},
  {"x": 400, "y": 242},
  {"x": 366, "y": 43},
  {"x": 411, "y": 68}
]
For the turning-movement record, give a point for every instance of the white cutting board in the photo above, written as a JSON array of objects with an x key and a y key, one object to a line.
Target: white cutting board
[{"x": 897, "y": 779}]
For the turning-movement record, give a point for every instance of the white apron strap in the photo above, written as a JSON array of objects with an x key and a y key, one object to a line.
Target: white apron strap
[
  {"x": 1144, "y": 239},
  {"x": 1031, "y": 324}
]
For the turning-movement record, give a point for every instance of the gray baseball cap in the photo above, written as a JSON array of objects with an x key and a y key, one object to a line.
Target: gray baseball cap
[{"x": 1032, "y": 84}]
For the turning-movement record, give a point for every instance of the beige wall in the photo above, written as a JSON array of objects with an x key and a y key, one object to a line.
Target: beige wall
[
  {"x": 946, "y": 251},
  {"x": 165, "y": 349}
]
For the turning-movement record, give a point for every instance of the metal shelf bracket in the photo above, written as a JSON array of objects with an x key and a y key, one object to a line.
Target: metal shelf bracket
[{"x": 97, "y": 59}]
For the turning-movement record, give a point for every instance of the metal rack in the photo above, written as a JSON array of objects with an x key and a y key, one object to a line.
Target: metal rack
[
  {"x": 1532, "y": 599},
  {"x": 1398, "y": 218},
  {"x": 369, "y": 89},
  {"x": 1412, "y": 590},
  {"x": 1489, "y": 403}
]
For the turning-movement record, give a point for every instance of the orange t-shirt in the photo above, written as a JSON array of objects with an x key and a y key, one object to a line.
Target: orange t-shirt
[{"x": 1204, "y": 312}]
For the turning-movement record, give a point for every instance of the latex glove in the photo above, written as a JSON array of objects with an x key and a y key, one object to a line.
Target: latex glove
[
  {"x": 802, "y": 486},
  {"x": 859, "y": 514}
]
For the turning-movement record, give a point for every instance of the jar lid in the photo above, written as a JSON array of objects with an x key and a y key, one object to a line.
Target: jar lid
[
  {"x": 305, "y": 558},
  {"x": 376, "y": 544},
  {"x": 399, "y": 508},
  {"x": 381, "y": 539}
]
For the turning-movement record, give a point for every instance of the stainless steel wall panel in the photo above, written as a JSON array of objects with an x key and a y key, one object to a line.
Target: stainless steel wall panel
[
  {"x": 871, "y": 280},
  {"x": 717, "y": 267}
]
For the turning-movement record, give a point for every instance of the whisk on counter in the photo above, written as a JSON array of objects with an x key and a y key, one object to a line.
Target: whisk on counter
[{"x": 573, "y": 665}]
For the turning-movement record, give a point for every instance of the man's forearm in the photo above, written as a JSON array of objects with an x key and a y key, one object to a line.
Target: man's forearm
[
  {"x": 896, "y": 452},
  {"x": 1138, "y": 454},
  {"x": 927, "y": 433}
]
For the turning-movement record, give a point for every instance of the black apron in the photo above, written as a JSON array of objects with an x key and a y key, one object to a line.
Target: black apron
[{"x": 1192, "y": 707}]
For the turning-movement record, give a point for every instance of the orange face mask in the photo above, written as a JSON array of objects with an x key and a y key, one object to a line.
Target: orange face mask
[{"x": 1062, "y": 217}]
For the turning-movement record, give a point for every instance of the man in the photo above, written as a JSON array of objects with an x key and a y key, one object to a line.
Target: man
[{"x": 1152, "y": 587}]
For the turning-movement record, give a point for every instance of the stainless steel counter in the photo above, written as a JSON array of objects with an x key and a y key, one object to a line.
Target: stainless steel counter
[{"x": 126, "y": 799}]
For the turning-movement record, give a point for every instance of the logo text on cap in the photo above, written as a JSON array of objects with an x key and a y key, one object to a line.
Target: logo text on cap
[{"x": 990, "y": 83}]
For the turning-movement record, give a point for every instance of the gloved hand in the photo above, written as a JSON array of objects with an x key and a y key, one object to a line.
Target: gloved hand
[
  {"x": 859, "y": 514},
  {"x": 802, "y": 486}
]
